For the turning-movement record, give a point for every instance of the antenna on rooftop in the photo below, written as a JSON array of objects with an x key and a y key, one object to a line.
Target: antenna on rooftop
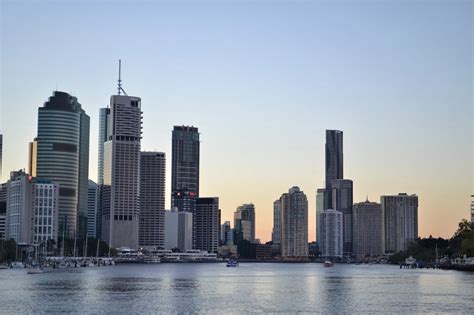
[{"x": 119, "y": 88}]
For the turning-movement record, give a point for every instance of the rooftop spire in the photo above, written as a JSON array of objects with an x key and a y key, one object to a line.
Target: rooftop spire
[{"x": 119, "y": 87}]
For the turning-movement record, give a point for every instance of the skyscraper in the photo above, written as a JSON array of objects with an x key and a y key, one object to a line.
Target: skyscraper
[
  {"x": 152, "y": 200},
  {"x": 1, "y": 155},
  {"x": 120, "y": 204},
  {"x": 3, "y": 209},
  {"x": 342, "y": 201},
  {"x": 320, "y": 206},
  {"x": 178, "y": 230},
  {"x": 91, "y": 209},
  {"x": 367, "y": 229},
  {"x": 244, "y": 222},
  {"x": 32, "y": 154},
  {"x": 276, "y": 233},
  {"x": 63, "y": 157},
  {"x": 472, "y": 209},
  {"x": 225, "y": 228},
  {"x": 103, "y": 195},
  {"x": 294, "y": 224},
  {"x": 331, "y": 243},
  {"x": 184, "y": 167},
  {"x": 206, "y": 224},
  {"x": 334, "y": 161},
  {"x": 400, "y": 216}
]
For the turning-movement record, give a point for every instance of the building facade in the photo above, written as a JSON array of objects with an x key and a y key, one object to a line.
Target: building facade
[
  {"x": 367, "y": 229},
  {"x": 334, "y": 161},
  {"x": 206, "y": 224},
  {"x": 178, "y": 230},
  {"x": 1, "y": 156},
  {"x": 294, "y": 224},
  {"x": 184, "y": 167},
  {"x": 225, "y": 228},
  {"x": 63, "y": 157},
  {"x": 120, "y": 204},
  {"x": 320, "y": 206},
  {"x": 152, "y": 199},
  {"x": 400, "y": 221},
  {"x": 472, "y": 209},
  {"x": 102, "y": 200},
  {"x": 92, "y": 209},
  {"x": 3, "y": 209},
  {"x": 244, "y": 223},
  {"x": 331, "y": 244},
  {"x": 276, "y": 232},
  {"x": 342, "y": 199}
]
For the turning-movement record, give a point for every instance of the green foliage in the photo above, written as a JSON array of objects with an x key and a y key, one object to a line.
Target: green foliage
[{"x": 8, "y": 251}]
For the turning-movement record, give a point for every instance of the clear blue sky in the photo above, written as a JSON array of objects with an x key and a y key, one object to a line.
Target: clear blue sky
[{"x": 262, "y": 81}]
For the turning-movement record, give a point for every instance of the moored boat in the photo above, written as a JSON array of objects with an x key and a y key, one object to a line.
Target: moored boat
[
  {"x": 232, "y": 263},
  {"x": 17, "y": 265},
  {"x": 328, "y": 263}
]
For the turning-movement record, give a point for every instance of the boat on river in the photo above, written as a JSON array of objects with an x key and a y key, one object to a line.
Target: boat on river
[
  {"x": 328, "y": 263},
  {"x": 232, "y": 263}
]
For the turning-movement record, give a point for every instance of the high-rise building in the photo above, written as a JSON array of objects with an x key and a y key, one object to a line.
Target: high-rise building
[
  {"x": 1, "y": 155},
  {"x": 367, "y": 229},
  {"x": 184, "y": 168},
  {"x": 225, "y": 228},
  {"x": 276, "y": 232},
  {"x": 294, "y": 224},
  {"x": 63, "y": 157},
  {"x": 206, "y": 224},
  {"x": 32, "y": 209},
  {"x": 32, "y": 154},
  {"x": 178, "y": 230},
  {"x": 334, "y": 162},
  {"x": 152, "y": 200},
  {"x": 244, "y": 222},
  {"x": 103, "y": 195},
  {"x": 331, "y": 243},
  {"x": 91, "y": 209},
  {"x": 320, "y": 206},
  {"x": 3, "y": 209},
  {"x": 120, "y": 192},
  {"x": 472, "y": 209},
  {"x": 400, "y": 215},
  {"x": 342, "y": 201}
]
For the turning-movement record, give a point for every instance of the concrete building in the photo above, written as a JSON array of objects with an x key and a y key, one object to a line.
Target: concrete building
[
  {"x": 92, "y": 209},
  {"x": 63, "y": 157},
  {"x": 206, "y": 224},
  {"x": 294, "y": 224},
  {"x": 276, "y": 232},
  {"x": 184, "y": 167},
  {"x": 101, "y": 198},
  {"x": 334, "y": 161},
  {"x": 32, "y": 209},
  {"x": 152, "y": 200},
  {"x": 1, "y": 156},
  {"x": 342, "y": 201},
  {"x": 120, "y": 204},
  {"x": 244, "y": 223},
  {"x": 320, "y": 206},
  {"x": 472, "y": 209},
  {"x": 3, "y": 209},
  {"x": 32, "y": 154},
  {"x": 400, "y": 216},
  {"x": 225, "y": 229},
  {"x": 178, "y": 230},
  {"x": 367, "y": 229},
  {"x": 331, "y": 244}
]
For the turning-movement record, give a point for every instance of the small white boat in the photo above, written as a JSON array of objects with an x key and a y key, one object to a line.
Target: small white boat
[
  {"x": 328, "y": 263},
  {"x": 17, "y": 265},
  {"x": 35, "y": 271},
  {"x": 232, "y": 263}
]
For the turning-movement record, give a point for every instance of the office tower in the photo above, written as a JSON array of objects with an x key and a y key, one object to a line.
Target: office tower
[
  {"x": 120, "y": 204},
  {"x": 320, "y": 206},
  {"x": 334, "y": 162},
  {"x": 3, "y": 209},
  {"x": 244, "y": 222},
  {"x": 400, "y": 216},
  {"x": 472, "y": 209},
  {"x": 225, "y": 228},
  {"x": 294, "y": 224},
  {"x": 91, "y": 209},
  {"x": 103, "y": 195},
  {"x": 206, "y": 224},
  {"x": 342, "y": 201},
  {"x": 367, "y": 229},
  {"x": 184, "y": 168},
  {"x": 32, "y": 209},
  {"x": 331, "y": 244},
  {"x": 63, "y": 157},
  {"x": 32, "y": 154},
  {"x": 1, "y": 155},
  {"x": 152, "y": 200},
  {"x": 178, "y": 230},
  {"x": 276, "y": 232}
]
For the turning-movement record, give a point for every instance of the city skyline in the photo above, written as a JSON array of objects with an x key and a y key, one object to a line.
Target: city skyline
[{"x": 420, "y": 131}]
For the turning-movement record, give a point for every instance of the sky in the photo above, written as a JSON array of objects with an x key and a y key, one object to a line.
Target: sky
[{"x": 263, "y": 80}]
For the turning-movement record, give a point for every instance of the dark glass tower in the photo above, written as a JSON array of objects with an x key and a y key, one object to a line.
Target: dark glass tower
[
  {"x": 184, "y": 167},
  {"x": 63, "y": 158},
  {"x": 334, "y": 162}
]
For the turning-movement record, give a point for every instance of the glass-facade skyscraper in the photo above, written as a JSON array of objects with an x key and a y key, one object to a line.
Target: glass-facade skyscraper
[
  {"x": 63, "y": 158},
  {"x": 334, "y": 162}
]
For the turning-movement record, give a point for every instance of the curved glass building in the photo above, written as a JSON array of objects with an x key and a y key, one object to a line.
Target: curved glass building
[{"x": 63, "y": 158}]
